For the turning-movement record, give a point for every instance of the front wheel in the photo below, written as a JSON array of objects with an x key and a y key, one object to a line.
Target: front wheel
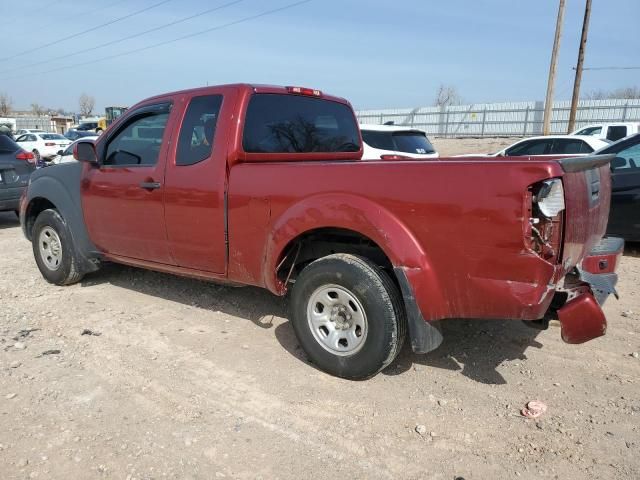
[
  {"x": 348, "y": 316},
  {"x": 53, "y": 249}
]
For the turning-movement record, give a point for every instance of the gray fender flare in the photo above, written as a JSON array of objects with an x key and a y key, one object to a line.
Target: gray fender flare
[{"x": 60, "y": 185}]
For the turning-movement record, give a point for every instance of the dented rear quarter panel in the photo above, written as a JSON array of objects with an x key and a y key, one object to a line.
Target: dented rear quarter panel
[{"x": 457, "y": 227}]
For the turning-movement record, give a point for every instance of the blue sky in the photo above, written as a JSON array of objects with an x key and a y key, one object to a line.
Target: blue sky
[{"x": 377, "y": 53}]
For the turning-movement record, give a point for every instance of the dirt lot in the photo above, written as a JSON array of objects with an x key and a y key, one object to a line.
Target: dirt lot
[
  {"x": 460, "y": 146},
  {"x": 188, "y": 380}
]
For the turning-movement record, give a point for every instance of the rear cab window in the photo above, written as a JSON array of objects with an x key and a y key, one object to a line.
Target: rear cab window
[
  {"x": 285, "y": 123},
  {"x": 8, "y": 145},
  {"x": 616, "y": 132}
]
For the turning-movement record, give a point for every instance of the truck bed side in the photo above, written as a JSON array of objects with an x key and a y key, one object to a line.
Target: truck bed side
[{"x": 457, "y": 228}]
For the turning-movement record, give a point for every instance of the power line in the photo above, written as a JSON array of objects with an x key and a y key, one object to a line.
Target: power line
[
  {"x": 68, "y": 37},
  {"x": 43, "y": 8},
  {"x": 166, "y": 42},
  {"x": 610, "y": 68},
  {"x": 68, "y": 19},
  {"x": 120, "y": 40}
]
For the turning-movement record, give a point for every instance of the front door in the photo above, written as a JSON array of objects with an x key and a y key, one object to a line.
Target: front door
[{"x": 122, "y": 199}]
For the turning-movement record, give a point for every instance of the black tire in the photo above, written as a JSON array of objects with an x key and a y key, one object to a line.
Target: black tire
[
  {"x": 386, "y": 323},
  {"x": 36, "y": 154},
  {"x": 66, "y": 272}
]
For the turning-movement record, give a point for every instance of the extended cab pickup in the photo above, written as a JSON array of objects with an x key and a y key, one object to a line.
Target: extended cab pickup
[{"x": 262, "y": 185}]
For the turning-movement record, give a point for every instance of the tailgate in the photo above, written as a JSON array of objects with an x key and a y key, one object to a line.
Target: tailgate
[{"x": 587, "y": 187}]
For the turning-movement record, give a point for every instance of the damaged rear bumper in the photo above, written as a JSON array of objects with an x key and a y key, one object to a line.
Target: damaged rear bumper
[{"x": 587, "y": 288}]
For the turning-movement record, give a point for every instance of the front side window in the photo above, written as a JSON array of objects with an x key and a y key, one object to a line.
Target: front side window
[
  {"x": 590, "y": 131},
  {"x": 139, "y": 142},
  {"x": 198, "y": 129},
  {"x": 297, "y": 124}
]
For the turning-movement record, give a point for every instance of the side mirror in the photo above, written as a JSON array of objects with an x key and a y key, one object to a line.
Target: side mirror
[
  {"x": 59, "y": 152},
  {"x": 85, "y": 152},
  {"x": 618, "y": 162}
]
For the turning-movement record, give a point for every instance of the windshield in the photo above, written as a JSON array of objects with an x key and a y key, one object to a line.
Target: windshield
[
  {"x": 407, "y": 142},
  {"x": 53, "y": 136}
]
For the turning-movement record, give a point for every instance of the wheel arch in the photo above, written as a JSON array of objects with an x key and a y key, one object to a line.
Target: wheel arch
[
  {"x": 49, "y": 190},
  {"x": 332, "y": 216}
]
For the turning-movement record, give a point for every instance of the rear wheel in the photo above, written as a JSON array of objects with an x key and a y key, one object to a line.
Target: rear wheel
[
  {"x": 348, "y": 316},
  {"x": 36, "y": 154},
  {"x": 53, "y": 249}
]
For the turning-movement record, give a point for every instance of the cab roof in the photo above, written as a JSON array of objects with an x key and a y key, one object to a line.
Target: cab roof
[{"x": 251, "y": 87}]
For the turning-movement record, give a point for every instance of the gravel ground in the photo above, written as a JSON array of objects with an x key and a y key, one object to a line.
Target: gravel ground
[
  {"x": 461, "y": 146},
  {"x": 177, "y": 378}
]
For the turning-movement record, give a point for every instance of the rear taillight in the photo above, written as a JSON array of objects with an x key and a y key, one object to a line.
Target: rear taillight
[
  {"x": 27, "y": 156},
  {"x": 304, "y": 91},
  {"x": 394, "y": 157},
  {"x": 49, "y": 144}
]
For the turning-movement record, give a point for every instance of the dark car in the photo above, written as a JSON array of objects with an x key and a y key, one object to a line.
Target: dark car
[
  {"x": 16, "y": 166},
  {"x": 85, "y": 127},
  {"x": 75, "y": 134},
  {"x": 624, "y": 217}
]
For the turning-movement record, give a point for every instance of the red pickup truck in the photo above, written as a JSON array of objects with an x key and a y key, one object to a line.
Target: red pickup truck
[{"x": 262, "y": 185}]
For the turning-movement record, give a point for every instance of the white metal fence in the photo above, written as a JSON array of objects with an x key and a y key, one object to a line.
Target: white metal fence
[
  {"x": 42, "y": 122},
  {"x": 502, "y": 119}
]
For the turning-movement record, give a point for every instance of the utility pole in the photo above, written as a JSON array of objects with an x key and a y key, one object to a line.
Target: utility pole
[
  {"x": 576, "y": 82},
  {"x": 548, "y": 103}
]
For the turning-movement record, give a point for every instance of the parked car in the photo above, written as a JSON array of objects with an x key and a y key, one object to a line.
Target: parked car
[
  {"x": 66, "y": 155},
  {"x": 549, "y": 145},
  {"x": 87, "y": 127},
  {"x": 609, "y": 131},
  {"x": 73, "y": 134},
  {"x": 268, "y": 188},
  {"x": 43, "y": 145},
  {"x": 24, "y": 131},
  {"x": 16, "y": 166},
  {"x": 395, "y": 141},
  {"x": 624, "y": 217}
]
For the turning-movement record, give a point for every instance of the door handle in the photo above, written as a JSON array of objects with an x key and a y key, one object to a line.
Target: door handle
[{"x": 150, "y": 185}]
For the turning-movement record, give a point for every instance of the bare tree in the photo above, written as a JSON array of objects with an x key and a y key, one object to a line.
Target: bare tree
[
  {"x": 38, "y": 109},
  {"x": 623, "y": 93},
  {"x": 447, "y": 95},
  {"x": 5, "y": 104},
  {"x": 86, "y": 103}
]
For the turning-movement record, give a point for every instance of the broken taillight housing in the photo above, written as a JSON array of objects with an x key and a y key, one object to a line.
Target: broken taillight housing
[
  {"x": 546, "y": 218},
  {"x": 550, "y": 198}
]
